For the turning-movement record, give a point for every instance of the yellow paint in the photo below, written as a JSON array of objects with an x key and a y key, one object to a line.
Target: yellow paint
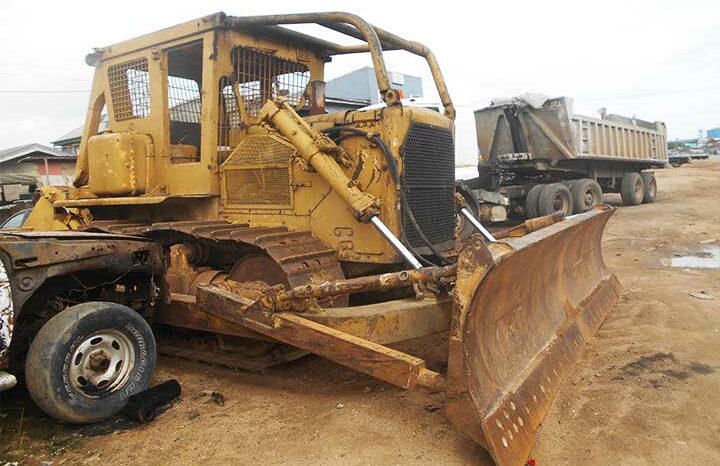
[{"x": 135, "y": 169}]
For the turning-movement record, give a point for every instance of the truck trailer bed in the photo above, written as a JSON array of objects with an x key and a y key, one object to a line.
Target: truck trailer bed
[{"x": 519, "y": 130}]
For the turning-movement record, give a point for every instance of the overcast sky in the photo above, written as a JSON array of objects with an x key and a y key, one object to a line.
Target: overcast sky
[{"x": 656, "y": 60}]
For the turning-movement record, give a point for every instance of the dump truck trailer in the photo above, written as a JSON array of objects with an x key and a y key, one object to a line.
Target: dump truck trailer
[
  {"x": 224, "y": 215},
  {"x": 543, "y": 157}
]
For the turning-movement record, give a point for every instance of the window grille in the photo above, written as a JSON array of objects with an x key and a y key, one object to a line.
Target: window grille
[
  {"x": 258, "y": 76},
  {"x": 184, "y": 100},
  {"x": 130, "y": 89},
  {"x": 262, "y": 76}
]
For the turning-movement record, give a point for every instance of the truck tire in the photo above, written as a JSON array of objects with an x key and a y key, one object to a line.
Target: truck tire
[
  {"x": 569, "y": 183},
  {"x": 586, "y": 194},
  {"x": 632, "y": 188},
  {"x": 649, "y": 187},
  {"x": 87, "y": 360},
  {"x": 531, "y": 201},
  {"x": 553, "y": 198}
]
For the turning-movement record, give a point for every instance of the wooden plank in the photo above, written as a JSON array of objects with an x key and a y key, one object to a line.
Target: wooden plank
[{"x": 384, "y": 363}]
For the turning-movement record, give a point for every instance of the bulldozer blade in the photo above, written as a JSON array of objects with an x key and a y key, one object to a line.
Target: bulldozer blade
[{"x": 524, "y": 309}]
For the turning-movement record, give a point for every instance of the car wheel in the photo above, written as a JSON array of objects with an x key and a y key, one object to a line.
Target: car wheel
[{"x": 87, "y": 360}]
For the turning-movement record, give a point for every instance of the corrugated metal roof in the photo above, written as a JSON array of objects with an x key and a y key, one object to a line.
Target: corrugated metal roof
[{"x": 13, "y": 153}]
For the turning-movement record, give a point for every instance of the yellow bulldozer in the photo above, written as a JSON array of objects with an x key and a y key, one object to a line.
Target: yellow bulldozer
[{"x": 226, "y": 207}]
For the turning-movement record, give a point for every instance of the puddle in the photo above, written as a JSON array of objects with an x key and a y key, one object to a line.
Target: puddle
[{"x": 709, "y": 258}]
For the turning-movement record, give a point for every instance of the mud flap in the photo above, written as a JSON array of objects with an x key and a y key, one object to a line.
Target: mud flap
[{"x": 524, "y": 309}]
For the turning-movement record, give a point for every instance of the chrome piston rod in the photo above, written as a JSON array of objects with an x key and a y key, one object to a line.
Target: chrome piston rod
[
  {"x": 478, "y": 226},
  {"x": 396, "y": 243}
]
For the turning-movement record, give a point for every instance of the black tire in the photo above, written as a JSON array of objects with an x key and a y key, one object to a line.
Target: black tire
[
  {"x": 631, "y": 189},
  {"x": 531, "y": 201},
  {"x": 649, "y": 187},
  {"x": 586, "y": 194},
  {"x": 570, "y": 183},
  {"x": 555, "y": 197},
  {"x": 90, "y": 342}
]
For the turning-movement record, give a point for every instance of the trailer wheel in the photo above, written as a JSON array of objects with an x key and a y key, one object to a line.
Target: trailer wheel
[
  {"x": 553, "y": 198},
  {"x": 531, "y": 201},
  {"x": 87, "y": 360},
  {"x": 631, "y": 189},
  {"x": 649, "y": 187},
  {"x": 586, "y": 194}
]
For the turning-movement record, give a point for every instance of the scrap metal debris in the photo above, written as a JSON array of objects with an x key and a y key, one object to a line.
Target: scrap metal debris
[
  {"x": 144, "y": 406},
  {"x": 701, "y": 295},
  {"x": 218, "y": 398}
]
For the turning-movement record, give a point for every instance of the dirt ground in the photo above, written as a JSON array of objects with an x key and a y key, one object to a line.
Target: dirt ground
[{"x": 646, "y": 392}]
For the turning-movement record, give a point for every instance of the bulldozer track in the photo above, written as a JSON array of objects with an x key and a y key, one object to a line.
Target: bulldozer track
[
  {"x": 304, "y": 258},
  {"x": 233, "y": 360}
]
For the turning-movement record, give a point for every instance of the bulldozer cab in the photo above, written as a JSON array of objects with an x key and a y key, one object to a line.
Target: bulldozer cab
[
  {"x": 190, "y": 93},
  {"x": 186, "y": 118}
]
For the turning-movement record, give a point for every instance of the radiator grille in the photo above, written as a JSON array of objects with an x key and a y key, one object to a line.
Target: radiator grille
[
  {"x": 258, "y": 172},
  {"x": 260, "y": 150},
  {"x": 429, "y": 182},
  {"x": 258, "y": 186}
]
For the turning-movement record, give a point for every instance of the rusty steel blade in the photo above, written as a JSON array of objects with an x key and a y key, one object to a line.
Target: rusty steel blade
[{"x": 524, "y": 309}]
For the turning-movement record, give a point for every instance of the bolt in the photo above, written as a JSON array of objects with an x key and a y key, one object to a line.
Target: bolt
[
  {"x": 99, "y": 362},
  {"x": 26, "y": 283}
]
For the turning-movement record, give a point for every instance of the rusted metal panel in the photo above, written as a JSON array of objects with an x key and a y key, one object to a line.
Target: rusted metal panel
[{"x": 29, "y": 259}]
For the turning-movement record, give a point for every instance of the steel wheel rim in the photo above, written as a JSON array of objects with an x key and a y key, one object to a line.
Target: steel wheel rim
[
  {"x": 101, "y": 364},
  {"x": 638, "y": 189},
  {"x": 652, "y": 188}
]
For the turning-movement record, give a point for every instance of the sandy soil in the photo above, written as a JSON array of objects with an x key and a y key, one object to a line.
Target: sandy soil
[{"x": 647, "y": 391}]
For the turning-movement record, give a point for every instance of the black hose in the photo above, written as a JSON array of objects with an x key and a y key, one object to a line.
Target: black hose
[
  {"x": 392, "y": 166},
  {"x": 373, "y": 137}
]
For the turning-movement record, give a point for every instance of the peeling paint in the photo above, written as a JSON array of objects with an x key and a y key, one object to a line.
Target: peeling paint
[{"x": 6, "y": 312}]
